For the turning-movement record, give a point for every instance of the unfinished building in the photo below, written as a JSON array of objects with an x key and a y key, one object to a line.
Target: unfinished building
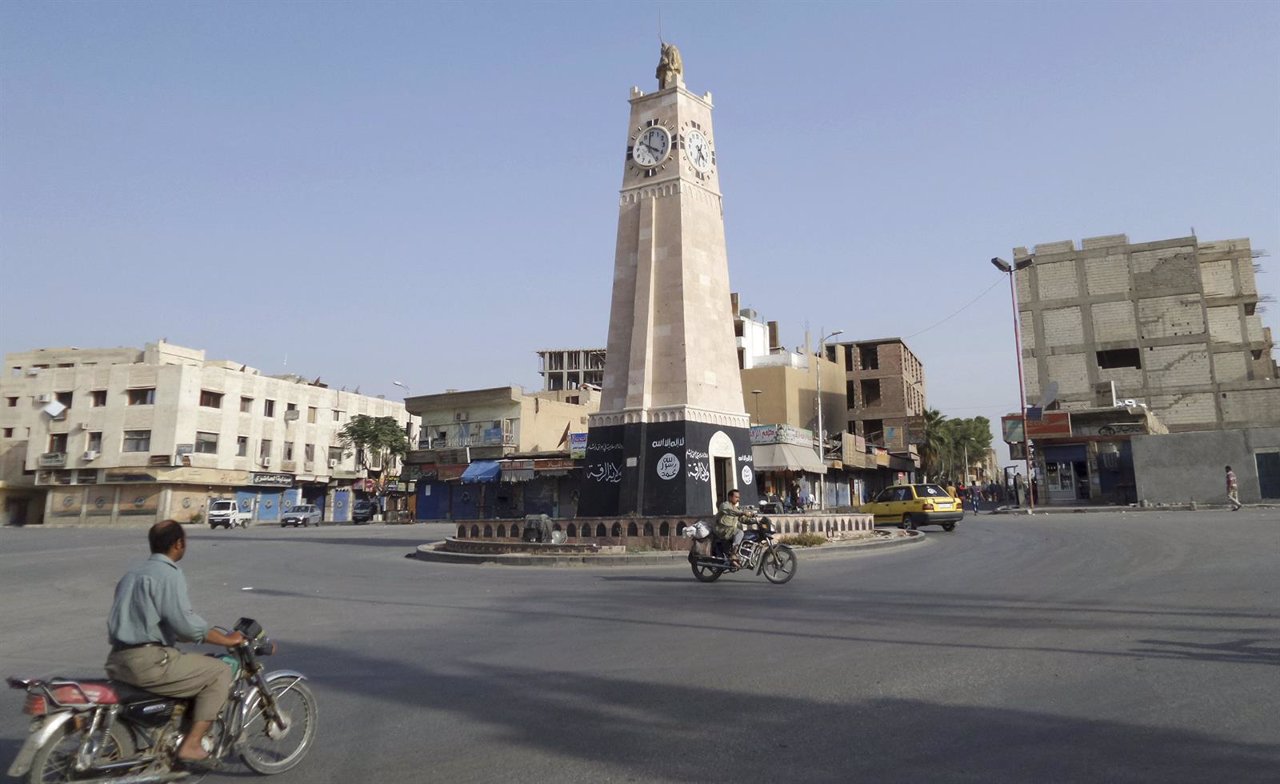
[{"x": 1173, "y": 324}]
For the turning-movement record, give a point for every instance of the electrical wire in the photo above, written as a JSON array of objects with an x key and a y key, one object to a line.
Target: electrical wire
[{"x": 963, "y": 307}]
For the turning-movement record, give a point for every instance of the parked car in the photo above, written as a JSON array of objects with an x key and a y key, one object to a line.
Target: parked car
[
  {"x": 911, "y": 506},
  {"x": 302, "y": 514},
  {"x": 362, "y": 511},
  {"x": 225, "y": 513}
]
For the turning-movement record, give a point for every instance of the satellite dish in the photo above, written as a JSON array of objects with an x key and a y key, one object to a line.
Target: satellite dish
[
  {"x": 1050, "y": 394},
  {"x": 54, "y": 409}
]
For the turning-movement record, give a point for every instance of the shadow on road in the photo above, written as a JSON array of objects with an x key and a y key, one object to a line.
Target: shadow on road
[{"x": 696, "y": 732}]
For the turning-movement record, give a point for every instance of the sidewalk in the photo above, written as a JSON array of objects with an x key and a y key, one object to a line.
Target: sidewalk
[{"x": 1015, "y": 510}]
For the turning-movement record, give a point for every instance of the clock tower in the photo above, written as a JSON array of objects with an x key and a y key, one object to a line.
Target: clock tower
[{"x": 672, "y": 436}]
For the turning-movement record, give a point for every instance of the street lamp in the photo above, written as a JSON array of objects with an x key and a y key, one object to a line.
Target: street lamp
[
  {"x": 822, "y": 436},
  {"x": 755, "y": 393},
  {"x": 1011, "y": 270}
]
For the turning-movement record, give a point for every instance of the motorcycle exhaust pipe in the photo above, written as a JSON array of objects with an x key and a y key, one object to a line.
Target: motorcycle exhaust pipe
[{"x": 155, "y": 777}]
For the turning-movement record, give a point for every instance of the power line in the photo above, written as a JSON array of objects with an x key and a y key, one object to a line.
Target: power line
[{"x": 958, "y": 312}]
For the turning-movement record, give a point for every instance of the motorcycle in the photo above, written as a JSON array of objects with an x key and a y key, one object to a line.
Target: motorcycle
[
  {"x": 757, "y": 552},
  {"x": 97, "y": 731}
]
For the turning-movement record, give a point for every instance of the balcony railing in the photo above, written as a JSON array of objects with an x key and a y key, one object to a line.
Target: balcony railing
[
  {"x": 506, "y": 439},
  {"x": 53, "y": 459}
]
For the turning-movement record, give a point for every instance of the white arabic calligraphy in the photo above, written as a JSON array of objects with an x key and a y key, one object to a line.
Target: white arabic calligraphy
[{"x": 605, "y": 472}]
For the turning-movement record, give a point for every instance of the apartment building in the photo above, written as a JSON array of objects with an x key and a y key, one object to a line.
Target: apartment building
[
  {"x": 499, "y": 452},
  {"x": 885, "y": 387},
  {"x": 1173, "y": 324},
  {"x": 139, "y": 435}
]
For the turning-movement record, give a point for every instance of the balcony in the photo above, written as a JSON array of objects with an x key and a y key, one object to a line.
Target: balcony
[
  {"x": 53, "y": 460},
  {"x": 485, "y": 439}
]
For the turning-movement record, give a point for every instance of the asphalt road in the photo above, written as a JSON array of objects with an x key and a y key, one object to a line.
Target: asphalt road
[{"x": 1133, "y": 647}]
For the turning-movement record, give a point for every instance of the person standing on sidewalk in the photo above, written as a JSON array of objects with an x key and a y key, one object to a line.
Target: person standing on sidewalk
[{"x": 1233, "y": 490}]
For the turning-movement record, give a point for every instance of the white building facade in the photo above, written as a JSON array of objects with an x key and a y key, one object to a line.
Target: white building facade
[{"x": 115, "y": 436}]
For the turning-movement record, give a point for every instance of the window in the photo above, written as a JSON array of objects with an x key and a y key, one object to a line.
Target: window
[
  {"x": 210, "y": 399},
  {"x": 8, "y": 432},
  {"x": 264, "y": 448},
  {"x": 242, "y": 446},
  {"x": 269, "y": 408},
  {"x": 290, "y": 406},
  {"x": 311, "y": 415},
  {"x": 58, "y": 442},
  {"x": 1120, "y": 358},
  {"x": 288, "y": 450},
  {"x": 335, "y": 454},
  {"x": 246, "y": 405},
  {"x": 12, "y": 402},
  {"x": 869, "y": 357},
  {"x": 137, "y": 441},
  {"x": 142, "y": 397},
  {"x": 64, "y": 398},
  {"x": 309, "y": 451},
  {"x": 337, "y": 416},
  {"x": 870, "y": 388},
  {"x": 207, "y": 443},
  {"x": 98, "y": 398},
  {"x": 95, "y": 441}
]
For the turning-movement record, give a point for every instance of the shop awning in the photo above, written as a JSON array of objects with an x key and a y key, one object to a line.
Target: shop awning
[
  {"x": 786, "y": 457},
  {"x": 482, "y": 471}
]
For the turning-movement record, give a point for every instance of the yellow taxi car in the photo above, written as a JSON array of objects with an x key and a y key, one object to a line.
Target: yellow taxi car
[{"x": 911, "y": 506}]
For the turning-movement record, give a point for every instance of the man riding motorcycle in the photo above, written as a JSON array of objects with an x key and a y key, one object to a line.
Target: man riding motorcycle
[
  {"x": 728, "y": 527},
  {"x": 150, "y": 613}
]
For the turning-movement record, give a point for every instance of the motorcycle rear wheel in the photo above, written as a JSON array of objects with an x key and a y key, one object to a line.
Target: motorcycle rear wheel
[
  {"x": 706, "y": 574},
  {"x": 266, "y": 754},
  {"x": 779, "y": 565},
  {"x": 54, "y": 762}
]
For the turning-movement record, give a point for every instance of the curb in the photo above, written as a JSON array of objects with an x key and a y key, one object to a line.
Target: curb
[{"x": 426, "y": 552}]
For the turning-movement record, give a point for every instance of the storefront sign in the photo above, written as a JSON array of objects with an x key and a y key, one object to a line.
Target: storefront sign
[
  {"x": 781, "y": 434},
  {"x": 1052, "y": 424},
  {"x": 578, "y": 446},
  {"x": 271, "y": 480}
]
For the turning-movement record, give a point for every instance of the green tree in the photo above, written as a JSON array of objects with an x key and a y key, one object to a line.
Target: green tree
[
  {"x": 382, "y": 437},
  {"x": 967, "y": 442},
  {"x": 933, "y": 449}
]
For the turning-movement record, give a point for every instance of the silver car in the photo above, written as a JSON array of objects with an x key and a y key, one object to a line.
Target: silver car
[{"x": 302, "y": 514}]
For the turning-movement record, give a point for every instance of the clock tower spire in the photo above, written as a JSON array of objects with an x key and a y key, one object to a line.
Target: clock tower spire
[{"x": 672, "y": 436}]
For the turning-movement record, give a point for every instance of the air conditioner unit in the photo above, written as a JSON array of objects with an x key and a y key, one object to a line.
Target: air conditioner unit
[
  {"x": 333, "y": 462},
  {"x": 83, "y": 426},
  {"x": 266, "y": 462},
  {"x": 92, "y": 454},
  {"x": 45, "y": 398},
  {"x": 461, "y": 416}
]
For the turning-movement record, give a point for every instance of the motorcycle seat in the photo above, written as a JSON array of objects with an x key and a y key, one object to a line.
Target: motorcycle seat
[{"x": 99, "y": 692}]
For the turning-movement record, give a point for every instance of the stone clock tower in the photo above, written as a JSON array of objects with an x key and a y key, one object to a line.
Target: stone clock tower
[{"x": 672, "y": 436}]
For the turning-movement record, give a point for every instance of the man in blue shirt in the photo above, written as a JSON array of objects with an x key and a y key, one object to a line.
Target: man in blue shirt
[{"x": 151, "y": 613}]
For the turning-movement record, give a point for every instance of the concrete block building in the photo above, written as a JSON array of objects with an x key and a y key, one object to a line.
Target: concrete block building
[
  {"x": 130, "y": 435},
  {"x": 1172, "y": 324},
  {"x": 885, "y": 389}
]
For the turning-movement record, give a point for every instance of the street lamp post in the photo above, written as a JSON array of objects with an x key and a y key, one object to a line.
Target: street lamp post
[
  {"x": 822, "y": 436},
  {"x": 1010, "y": 270}
]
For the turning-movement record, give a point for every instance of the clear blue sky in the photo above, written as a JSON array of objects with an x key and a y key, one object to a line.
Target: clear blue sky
[{"x": 427, "y": 192}]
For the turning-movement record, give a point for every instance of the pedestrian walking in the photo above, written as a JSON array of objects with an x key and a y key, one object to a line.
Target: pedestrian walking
[{"x": 1233, "y": 490}]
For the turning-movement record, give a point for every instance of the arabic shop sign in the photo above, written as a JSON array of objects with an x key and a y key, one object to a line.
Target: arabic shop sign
[
  {"x": 271, "y": 480},
  {"x": 781, "y": 434}
]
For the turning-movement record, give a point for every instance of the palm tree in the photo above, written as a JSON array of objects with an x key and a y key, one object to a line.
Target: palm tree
[{"x": 937, "y": 442}]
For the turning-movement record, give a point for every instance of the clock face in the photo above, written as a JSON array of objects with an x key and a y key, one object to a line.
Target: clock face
[
  {"x": 651, "y": 147},
  {"x": 697, "y": 148}
]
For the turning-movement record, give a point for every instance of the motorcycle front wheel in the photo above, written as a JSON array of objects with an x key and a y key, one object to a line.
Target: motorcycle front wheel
[
  {"x": 55, "y": 761},
  {"x": 265, "y": 746},
  {"x": 706, "y": 574},
  {"x": 779, "y": 565}
]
